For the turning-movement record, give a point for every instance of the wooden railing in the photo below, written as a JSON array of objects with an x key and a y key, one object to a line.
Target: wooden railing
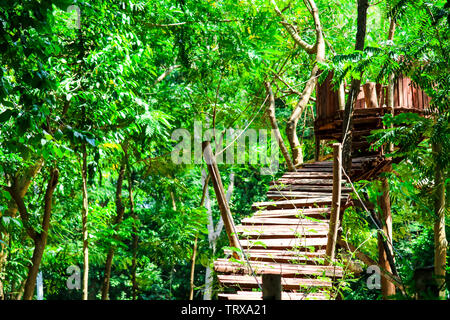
[
  {"x": 407, "y": 95},
  {"x": 336, "y": 202}
]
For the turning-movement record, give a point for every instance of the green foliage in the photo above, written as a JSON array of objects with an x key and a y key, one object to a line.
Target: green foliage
[{"x": 137, "y": 70}]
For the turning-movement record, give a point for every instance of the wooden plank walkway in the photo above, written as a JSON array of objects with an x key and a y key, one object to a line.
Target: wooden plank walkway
[{"x": 287, "y": 235}]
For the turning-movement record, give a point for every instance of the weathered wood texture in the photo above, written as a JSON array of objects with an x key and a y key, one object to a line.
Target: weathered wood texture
[
  {"x": 371, "y": 105},
  {"x": 287, "y": 236},
  {"x": 336, "y": 203}
]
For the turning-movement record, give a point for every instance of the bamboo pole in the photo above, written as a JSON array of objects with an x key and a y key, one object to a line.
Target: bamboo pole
[
  {"x": 225, "y": 211},
  {"x": 336, "y": 201}
]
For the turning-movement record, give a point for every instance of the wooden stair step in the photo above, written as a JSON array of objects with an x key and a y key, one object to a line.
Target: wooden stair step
[
  {"x": 314, "y": 169},
  {"x": 250, "y": 295},
  {"x": 294, "y": 213},
  {"x": 249, "y": 282},
  {"x": 283, "y": 221},
  {"x": 294, "y": 203},
  {"x": 283, "y": 256},
  {"x": 281, "y": 231},
  {"x": 307, "y": 188},
  {"x": 285, "y": 269},
  {"x": 320, "y": 182},
  {"x": 278, "y": 195},
  {"x": 308, "y": 175},
  {"x": 282, "y": 243}
]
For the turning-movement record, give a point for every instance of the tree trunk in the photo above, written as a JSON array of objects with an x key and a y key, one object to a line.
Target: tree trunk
[
  {"x": 40, "y": 239},
  {"x": 440, "y": 239},
  {"x": 84, "y": 215},
  {"x": 117, "y": 220},
  {"x": 21, "y": 184},
  {"x": 291, "y": 125},
  {"x": 191, "y": 282},
  {"x": 319, "y": 50},
  {"x": 270, "y": 111},
  {"x": 107, "y": 277},
  {"x": 347, "y": 127},
  {"x": 387, "y": 287},
  {"x": 207, "y": 295},
  {"x": 135, "y": 237}
]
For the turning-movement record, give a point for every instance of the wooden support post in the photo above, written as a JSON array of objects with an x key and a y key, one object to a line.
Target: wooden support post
[
  {"x": 385, "y": 216},
  {"x": 271, "y": 286},
  {"x": 336, "y": 201},
  {"x": 370, "y": 95},
  {"x": 317, "y": 149},
  {"x": 225, "y": 211},
  {"x": 341, "y": 96}
]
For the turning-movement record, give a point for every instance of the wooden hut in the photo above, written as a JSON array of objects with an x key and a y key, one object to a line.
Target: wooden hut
[{"x": 370, "y": 107}]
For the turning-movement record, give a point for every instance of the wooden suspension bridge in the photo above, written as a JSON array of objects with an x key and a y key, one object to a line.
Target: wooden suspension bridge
[{"x": 295, "y": 233}]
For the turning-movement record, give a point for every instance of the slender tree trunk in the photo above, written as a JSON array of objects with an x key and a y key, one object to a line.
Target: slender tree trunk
[
  {"x": 21, "y": 185},
  {"x": 273, "y": 121},
  {"x": 440, "y": 239},
  {"x": 291, "y": 125},
  {"x": 319, "y": 50},
  {"x": 191, "y": 282},
  {"x": 84, "y": 216},
  {"x": 107, "y": 277},
  {"x": 33, "y": 271},
  {"x": 207, "y": 295},
  {"x": 347, "y": 127},
  {"x": 40, "y": 239},
  {"x": 135, "y": 237},
  {"x": 387, "y": 287},
  {"x": 117, "y": 220}
]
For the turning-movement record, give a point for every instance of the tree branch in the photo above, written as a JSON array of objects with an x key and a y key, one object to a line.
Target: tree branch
[
  {"x": 165, "y": 74},
  {"x": 311, "y": 49}
]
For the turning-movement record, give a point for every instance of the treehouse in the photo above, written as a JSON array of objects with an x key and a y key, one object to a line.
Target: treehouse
[
  {"x": 370, "y": 107},
  {"x": 288, "y": 255}
]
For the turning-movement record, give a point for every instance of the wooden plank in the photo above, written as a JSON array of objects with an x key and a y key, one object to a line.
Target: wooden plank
[
  {"x": 249, "y": 295},
  {"x": 297, "y": 194},
  {"x": 249, "y": 282},
  {"x": 287, "y": 254},
  {"x": 285, "y": 269},
  {"x": 285, "y": 195},
  {"x": 283, "y": 256},
  {"x": 281, "y": 221},
  {"x": 281, "y": 231},
  {"x": 281, "y": 243},
  {"x": 306, "y": 188},
  {"x": 294, "y": 203},
  {"x": 293, "y": 212},
  {"x": 396, "y": 94},
  {"x": 415, "y": 95},
  {"x": 308, "y": 175},
  {"x": 370, "y": 94},
  {"x": 320, "y": 182},
  {"x": 283, "y": 228},
  {"x": 407, "y": 89},
  {"x": 420, "y": 98}
]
